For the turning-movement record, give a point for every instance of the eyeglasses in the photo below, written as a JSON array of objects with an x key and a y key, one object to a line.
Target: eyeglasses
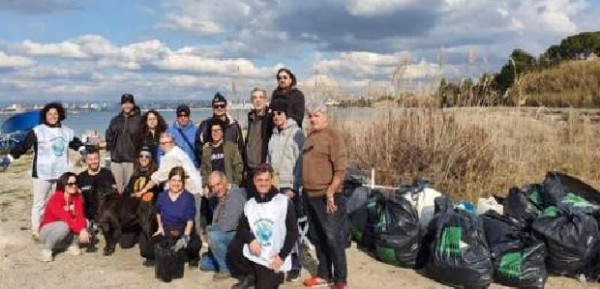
[
  {"x": 71, "y": 184},
  {"x": 145, "y": 156},
  {"x": 219, "y": 105},
  {"x": 183, "y": 115},
  {"x": 279, "y": 112}
]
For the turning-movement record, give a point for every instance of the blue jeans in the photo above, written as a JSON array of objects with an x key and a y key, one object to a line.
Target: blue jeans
[{"x": 218, "y": 241}]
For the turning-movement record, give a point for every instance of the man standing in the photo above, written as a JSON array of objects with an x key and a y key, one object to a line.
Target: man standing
[
  {"x": 121, "y": 138},
  {"x": 324, "y": 167},
  {"x": 184, "y": 131},
  {"x": 260, "y": 128},
  {"x": 232, "y": 133},
  {"x": 266, "y": 234},
  {"x": 224, "y": 223}
]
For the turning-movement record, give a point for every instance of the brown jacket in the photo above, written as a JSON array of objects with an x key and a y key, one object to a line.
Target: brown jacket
[{"x": 324, "y": 156}]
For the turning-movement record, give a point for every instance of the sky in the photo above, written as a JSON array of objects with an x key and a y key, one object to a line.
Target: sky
[{"x": 95, "y": 50}]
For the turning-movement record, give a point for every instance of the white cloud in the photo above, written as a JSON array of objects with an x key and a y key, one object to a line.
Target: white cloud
[{"x": 7, "y": 61}]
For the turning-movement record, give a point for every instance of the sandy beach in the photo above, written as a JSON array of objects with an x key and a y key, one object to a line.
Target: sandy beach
[{"x": 19, "y": 267}]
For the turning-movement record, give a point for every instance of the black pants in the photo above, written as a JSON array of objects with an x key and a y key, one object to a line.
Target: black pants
[
  {"x": 207, "y": 207},
  {"x": 326, "y": 232},
  {"x": 193, "y": 247},
  {"x": 241, "y": 267}
]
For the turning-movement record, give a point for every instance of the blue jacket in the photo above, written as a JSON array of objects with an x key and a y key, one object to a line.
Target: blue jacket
[{"x": 187, "y": 146}]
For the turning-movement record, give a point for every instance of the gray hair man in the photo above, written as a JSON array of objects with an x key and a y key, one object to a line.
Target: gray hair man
[{"x": 323, "y": 169}]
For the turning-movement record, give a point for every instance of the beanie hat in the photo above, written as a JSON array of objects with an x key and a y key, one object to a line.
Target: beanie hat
[
  {"x": 127, "y": 98},
  {"x": 279, "y": 104},
  {"x": 219, "y": 98},
  {"x": 183, "y": 109}
]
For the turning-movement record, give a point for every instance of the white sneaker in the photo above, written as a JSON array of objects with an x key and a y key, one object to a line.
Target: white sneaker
[
  {"x": 74, "y": 250},
  {"x": 46, "y": 255}
]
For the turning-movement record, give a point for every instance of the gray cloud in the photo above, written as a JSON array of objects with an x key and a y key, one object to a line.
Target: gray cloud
[{"x": 38, "y": 6}]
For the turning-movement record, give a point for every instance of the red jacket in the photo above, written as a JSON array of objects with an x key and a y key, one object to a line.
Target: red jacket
[{"x": 57, "y": 209}]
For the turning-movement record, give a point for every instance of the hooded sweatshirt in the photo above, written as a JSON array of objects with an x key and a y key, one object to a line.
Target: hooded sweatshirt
[
  {"x": 70, "y": 212},
  {"x": 285, "y": 154}
]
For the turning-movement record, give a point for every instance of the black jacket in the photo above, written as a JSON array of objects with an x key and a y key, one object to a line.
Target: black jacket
[
  {"x": 245, "y": 234},
  {"x": 121, "y": 136},
  {"x": 232, "y": 133},
  {"x": 266, "y": 125},
  {"x": 295, "y": 99}
]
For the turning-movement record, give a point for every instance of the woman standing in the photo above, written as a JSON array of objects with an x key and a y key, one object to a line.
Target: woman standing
[
  {"x": 221, "y": 155},
  {"x": 285, "y": 155},
  {"x": 286, "y": 90},
  {"x": 175, "y": 216},
  {"x": 63, "y": 219},
  {"x": 153, "y": 124},
  {"x": 50, "y": 141}
]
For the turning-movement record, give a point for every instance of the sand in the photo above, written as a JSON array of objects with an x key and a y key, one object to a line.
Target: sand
[{"x": 20, "y": 268}]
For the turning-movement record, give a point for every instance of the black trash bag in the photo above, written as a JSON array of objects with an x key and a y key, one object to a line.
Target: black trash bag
[
  {"x": 524, "y": 204},
  {"x": 518, "y": 257},
  {"x": 170, "y": 264},
  {"x": 459, "y": 254},
  {"x": 363, "y": 221},
  {"x": 558, "y": 185},
  {"x": 398, "y": 232},
  {"x": 356, "y": 198},
  {"x": 572, "y": 239},
  {"x": 353, "y": 178}
]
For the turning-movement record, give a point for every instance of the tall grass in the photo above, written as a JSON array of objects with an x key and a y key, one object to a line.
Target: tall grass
[
  {"x": 571, "y": 84},
  {"x": 472, "y": 152}
]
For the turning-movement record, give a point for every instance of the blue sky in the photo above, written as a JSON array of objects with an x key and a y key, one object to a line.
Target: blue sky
[{"x": 188, "y": 49}]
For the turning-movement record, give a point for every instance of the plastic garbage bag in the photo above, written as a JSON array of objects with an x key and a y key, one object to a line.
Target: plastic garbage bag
[
  {"x": 363, "y": 221},
  {"x": 459, "y": 254},
  {"x": 518, "y": 257},
  {"x": 356, "y": 198},
  {"x": 572, "y": 239},
  {"x": 486, "y": 204},
  {"x": 170, "y": 263},
  {"x": 422, "y": 197},
  {"x": 398, "y": 233},
  {"x": 523, "y": 204},
  {"x": 558, "y": 185}
]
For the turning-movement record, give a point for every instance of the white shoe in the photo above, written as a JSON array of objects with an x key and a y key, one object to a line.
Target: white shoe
[
  {"x": 46, "y": 255},
  {"x": 74, "y": 250}
]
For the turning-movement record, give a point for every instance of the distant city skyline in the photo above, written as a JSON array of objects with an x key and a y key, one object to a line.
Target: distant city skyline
[{"x": 95, "y": 50}]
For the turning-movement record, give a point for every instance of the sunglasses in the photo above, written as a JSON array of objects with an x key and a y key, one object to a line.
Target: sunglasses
[
  {"x": 219, "y": 106},
  {"x": 145, "y": 156},
  {"x": 279, "y": 112},
  {"x": 183, "y": 115},
  {"x": 71, "y": 184}
]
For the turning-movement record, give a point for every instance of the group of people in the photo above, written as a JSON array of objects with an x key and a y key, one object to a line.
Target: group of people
[{"x": 243, "y": 196}]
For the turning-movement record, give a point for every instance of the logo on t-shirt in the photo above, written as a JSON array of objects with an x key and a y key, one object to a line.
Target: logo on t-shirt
[
  {"x": 58, "y": 146},
  {"x": 218, "y": 156},
  {"x": 264, "y": 232}
]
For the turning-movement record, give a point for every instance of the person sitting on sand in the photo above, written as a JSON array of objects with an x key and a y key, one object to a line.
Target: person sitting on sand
[{"x": 63, "y": 220}]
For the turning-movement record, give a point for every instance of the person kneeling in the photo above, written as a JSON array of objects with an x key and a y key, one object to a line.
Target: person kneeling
[
  {"x": 175, "y": 217},
  {"x": 63, "y": 220},
  {"x": 224, "y": 223},
  {"x": 266, "y": 234}
]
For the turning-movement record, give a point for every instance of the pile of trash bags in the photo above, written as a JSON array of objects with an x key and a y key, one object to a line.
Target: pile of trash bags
[{"x": 516, "y": 240}]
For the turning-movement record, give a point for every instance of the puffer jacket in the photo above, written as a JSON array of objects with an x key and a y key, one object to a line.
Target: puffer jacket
[
  {"x": 121, "y": 136},
  {"x": 285, "y": 154}
]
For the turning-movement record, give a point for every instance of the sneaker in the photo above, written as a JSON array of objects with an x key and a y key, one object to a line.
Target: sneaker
[
  {"x": 293, "y": 276},
  {"x": 207, "y": 263},
  {"x": 221, "y": 276},
  {"x": 340, "y": 286},
  {"x": 315, "y": 281},
  {"x": 149, "y": 263},
  {"x": 74, "y": 250},
  {"x": 245, "y": 282},
  {"x": 46, "y": 255}
]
